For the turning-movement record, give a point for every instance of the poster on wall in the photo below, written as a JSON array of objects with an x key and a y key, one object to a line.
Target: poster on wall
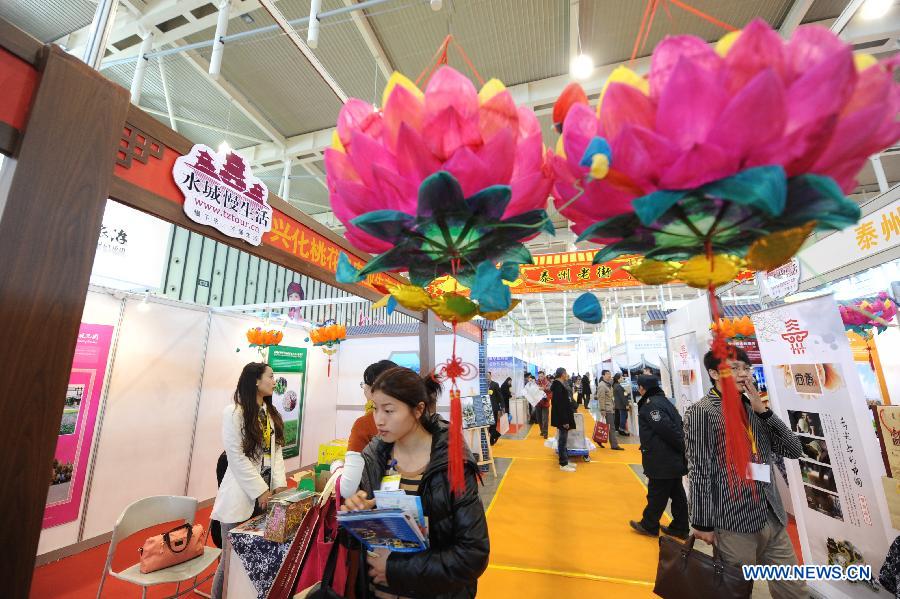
[
  {"x": 477, "y": 411},
  {"x": 76, "y": 427},
  {"x": 836, "y": 485},
  {"x": 687, "y": 370},
  {"x": 289, "y": 366}
]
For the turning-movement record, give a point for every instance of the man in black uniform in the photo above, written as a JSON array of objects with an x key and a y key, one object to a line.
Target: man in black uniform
[
  {"x": 496, "y": 403},
  {"x": 662, "y": 455}
]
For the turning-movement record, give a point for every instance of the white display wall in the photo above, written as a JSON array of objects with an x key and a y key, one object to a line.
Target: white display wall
[
  {"x": 165, "y": 374},
  {"x": 173, "y": 368},
  {"x": 356, "y": 354}
]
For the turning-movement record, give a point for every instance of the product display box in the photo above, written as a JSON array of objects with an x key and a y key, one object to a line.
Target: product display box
[{"x": 285, "y": 512}]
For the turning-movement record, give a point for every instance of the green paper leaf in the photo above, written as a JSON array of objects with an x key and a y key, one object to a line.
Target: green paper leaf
[
  {"x": 346, "y": 273},
  {"x": 489, "y": 291},
  {"x": 389, "y": 225},
  {"x": 762, "y": 187},
  {"x": 650, "y": 207},
  {"x": 490, "y": 202},
  {"x": 510, "y": 271},
  {"x": 439, "y": 194}
]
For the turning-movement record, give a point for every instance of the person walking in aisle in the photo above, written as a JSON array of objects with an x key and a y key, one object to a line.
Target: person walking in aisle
[
  {"x": 620, "y": 402},
  {"x": 746, "y": 523},
  {"x": 543, "y": 406},
  {"x": 586, "y": 390},
  {"x": 506, "y": 393},
  {"x": 575, "y": 384},
  {"x": 496, "y": 406},
  {"x": 608, "y": 408},
  {"x": 253, "y": 435},
  {"x": 662, "y": 456},
  {"x": 562, "y": 416}
]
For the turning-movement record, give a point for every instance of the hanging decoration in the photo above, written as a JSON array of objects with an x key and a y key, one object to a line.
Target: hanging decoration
[
  {"x": 446, "y": 181},
  {"x": 867, "y": 316},
  {"x": 722, "y": 158},
  {"x": 738, "y": 329},
  {"x": 262, "y": 339},
  {"x": 328, "y": 336}
]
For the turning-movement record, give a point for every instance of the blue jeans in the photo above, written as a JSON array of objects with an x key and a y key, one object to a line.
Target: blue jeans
[
  {"x": 562, "y": 440},
  {"x": 219, "y": 579}
]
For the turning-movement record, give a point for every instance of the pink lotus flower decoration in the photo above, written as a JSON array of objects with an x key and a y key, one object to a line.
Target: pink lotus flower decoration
[
  {"x": 704, "y": 114},
  {"x": 856, "y": 315},
  {"x": 379, "y": 158}
]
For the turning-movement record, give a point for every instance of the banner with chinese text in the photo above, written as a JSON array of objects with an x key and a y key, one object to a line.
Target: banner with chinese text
[
  {"x": 76, "y": 428},
  {"x": 835, "y": 486},
  {"x": 289, "y": 366}
]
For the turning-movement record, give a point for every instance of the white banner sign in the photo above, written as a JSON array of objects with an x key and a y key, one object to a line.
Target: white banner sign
[
  {"x": 220, "y": 191},
  {"x": 781, "y": 281},
  {"x": 687, "y": 371},
  {"x": 836, "y": 486},
  {"x": 131, "y": 249}
]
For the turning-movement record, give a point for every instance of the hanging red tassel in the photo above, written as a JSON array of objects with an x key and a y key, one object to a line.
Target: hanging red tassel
[
  {"x": 737, "y": 439},
  {"x": 456, "y": 472}
]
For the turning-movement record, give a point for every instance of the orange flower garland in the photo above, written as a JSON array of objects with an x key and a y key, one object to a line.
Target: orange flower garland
[
  {"x": 735, "y": 328},
  {"x": 262, "y": 338},
  {"x": 329, "y": 335}
]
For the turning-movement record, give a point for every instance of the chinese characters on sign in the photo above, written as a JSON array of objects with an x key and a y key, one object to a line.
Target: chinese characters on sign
[
  {"x": 869, "y": 232},
  {"x": 221, "y": 192},
  {"x": 308, "y": 245},
  {"x": 795, "y": 337},
  {"x": 113, "y": 240}
]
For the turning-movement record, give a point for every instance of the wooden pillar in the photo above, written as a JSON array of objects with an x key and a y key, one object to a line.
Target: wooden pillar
[{"x": 50, "y": 217}]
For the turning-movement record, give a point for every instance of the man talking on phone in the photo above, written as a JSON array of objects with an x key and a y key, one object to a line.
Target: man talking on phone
[{"x": 747, "y": 525}]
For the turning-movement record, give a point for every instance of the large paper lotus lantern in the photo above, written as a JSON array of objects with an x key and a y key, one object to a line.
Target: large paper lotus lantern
[
  {"x": 723, "y": 156},
  {"x": 438, "y": 182}
]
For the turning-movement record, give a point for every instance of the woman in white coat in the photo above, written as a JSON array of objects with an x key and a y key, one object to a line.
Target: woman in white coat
[{"x": 253, "y": 435}]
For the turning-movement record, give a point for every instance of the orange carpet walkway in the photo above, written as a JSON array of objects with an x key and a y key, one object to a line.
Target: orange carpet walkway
[{"x": 559, "y": 534}]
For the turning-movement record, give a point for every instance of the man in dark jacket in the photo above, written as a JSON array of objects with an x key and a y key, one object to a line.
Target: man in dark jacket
[
  {"x": 496, "y": 406},
  {"x": 662, "y": 455},
  {"x": 562, "y": 416}
]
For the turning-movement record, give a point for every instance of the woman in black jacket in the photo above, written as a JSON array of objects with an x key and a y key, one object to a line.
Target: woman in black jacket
[{"x": 412, "y": 444}]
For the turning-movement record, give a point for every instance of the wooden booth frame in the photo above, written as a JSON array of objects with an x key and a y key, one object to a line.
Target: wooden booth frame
[{"x": 74, "y": 140}]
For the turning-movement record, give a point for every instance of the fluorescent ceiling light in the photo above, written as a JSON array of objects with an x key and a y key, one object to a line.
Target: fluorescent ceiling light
[
  {"x": 582, "y": 66},
  {"x": 875, "y": 9}
]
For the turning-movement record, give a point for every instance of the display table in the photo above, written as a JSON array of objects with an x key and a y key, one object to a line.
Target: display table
[{"x": 252, "y": 562}]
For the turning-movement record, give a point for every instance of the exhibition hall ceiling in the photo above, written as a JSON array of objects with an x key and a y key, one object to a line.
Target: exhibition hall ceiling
[{"x": 271, "y": 103}]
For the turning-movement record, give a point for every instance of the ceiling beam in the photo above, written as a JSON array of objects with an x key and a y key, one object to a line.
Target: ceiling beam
[
  {"x": 127, "y": 25},
  {"x": 237, "y": 98},
  {"x": 794, "y": 17},
  {"x": 371, "y": 39},
  {"x": 330, "y": 81},
  {"x": 849, "y": 11}
]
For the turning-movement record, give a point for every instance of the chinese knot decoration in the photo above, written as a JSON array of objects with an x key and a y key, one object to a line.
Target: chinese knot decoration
[
  {"x": 723, "y": 157},
  {"x": 328, "y": 336}
]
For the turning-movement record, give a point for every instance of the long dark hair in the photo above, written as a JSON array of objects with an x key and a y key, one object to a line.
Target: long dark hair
[
  {"x": 617, "y": 377},
  {"x": 407, "y": 387},
  {"x": 245, "y": 396}
]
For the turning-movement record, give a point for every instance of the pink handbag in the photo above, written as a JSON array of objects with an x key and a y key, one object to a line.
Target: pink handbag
[{"x": 179, "y": 545}]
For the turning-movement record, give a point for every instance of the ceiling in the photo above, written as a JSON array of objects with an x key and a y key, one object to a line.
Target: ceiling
[{"x": 272, "y": 104}]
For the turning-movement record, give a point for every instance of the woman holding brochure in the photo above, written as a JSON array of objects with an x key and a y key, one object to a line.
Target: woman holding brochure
[{"x": 411, "y": 453}]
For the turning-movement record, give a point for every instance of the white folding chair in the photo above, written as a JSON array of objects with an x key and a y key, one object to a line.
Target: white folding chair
[{"x": 143, "y": 514}]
